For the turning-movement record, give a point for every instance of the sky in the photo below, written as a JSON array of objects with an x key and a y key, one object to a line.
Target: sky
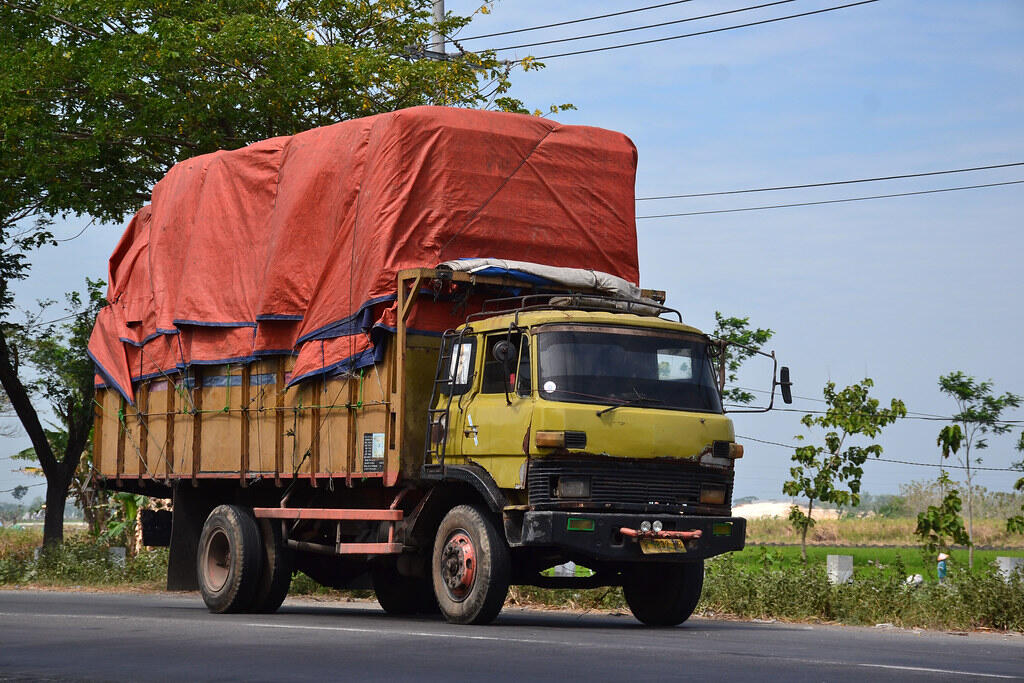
[{"x": 901, "y": 290}]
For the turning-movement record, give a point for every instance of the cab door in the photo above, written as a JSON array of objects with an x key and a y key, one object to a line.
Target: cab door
[{"x": 495, "y": 419}]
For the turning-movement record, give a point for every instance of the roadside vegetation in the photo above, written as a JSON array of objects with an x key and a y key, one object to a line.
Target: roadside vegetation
[{"x": 761, "y": 582}]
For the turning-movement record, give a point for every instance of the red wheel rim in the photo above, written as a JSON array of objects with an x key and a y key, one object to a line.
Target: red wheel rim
[{"x": 458, "y": 565}]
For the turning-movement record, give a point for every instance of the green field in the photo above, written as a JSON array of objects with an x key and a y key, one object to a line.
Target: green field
[{"x": 864, "y": 559}]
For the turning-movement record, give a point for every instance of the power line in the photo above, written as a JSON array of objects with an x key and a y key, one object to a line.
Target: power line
[
  {"x": 28, "y": 486},
  {"x": 936, "y": 418},
  {"x": 577, "y": 21},
  {"x": 831, "y": 201},
  {"x": 704, "y": 33},
  {"x": 834, "y": 182},
  {"x": 900, "y": 462},
  {"x": 79, "y": 234},
  {"x": 821, "y": 400},
  {"x": 643, "y": 28}
]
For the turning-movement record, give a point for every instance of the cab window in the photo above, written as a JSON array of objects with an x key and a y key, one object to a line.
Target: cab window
[{"x": 494, "y": 370}]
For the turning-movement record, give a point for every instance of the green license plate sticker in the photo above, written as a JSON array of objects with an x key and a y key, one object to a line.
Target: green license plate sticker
[
  {"x": 652, "y": 546},
  {"x": 722, "y": 529}
]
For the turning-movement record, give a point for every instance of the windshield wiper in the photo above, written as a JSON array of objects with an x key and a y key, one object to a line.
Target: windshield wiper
[{"x": 630, "y": 402}]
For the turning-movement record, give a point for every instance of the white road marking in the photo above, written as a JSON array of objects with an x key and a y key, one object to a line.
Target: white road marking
[{"x": 545, "y": 641}]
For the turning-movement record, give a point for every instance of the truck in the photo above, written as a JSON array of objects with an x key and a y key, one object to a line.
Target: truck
[{"x": 410, "y": 352}]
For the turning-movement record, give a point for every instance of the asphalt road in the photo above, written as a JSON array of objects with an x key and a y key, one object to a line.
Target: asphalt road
[{"x": 121, "y": 636}]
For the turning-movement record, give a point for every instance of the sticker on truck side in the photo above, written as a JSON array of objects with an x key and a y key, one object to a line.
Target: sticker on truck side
[{"x": 373, "y": 452}]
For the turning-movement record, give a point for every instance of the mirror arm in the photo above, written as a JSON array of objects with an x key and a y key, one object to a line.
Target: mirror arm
[{"x": 722, "y": 343}]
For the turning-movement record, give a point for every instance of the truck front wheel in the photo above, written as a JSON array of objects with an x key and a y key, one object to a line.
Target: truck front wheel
[
  {"x": 229, "y": 560},
  {"x": 471, "y": 567},
  {"x": 663, "y": 594}
]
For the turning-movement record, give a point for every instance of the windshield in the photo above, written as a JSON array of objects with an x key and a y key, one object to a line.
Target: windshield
[{"x": 626, "y": 366}]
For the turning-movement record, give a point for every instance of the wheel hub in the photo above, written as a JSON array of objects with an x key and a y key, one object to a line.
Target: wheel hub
[
  {"x": 218, "y": 560},
  {"x": 458, "y": 565}
]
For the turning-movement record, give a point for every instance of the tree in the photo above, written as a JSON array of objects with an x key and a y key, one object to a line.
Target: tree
[
  {"x": 98, "y": 100},
  {"x": 820, "y": 473},
  {"x": 1015, "y": 524},
  {"x": 48, "y": 360},
  {"x": 940, "y": 525},
  {"x": 737, "y": 331},
  {"x": 978, "y": 414},
  {"x": 85, "y": 488}
]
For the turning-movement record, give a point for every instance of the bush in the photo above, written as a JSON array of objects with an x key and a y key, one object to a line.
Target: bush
[
  {"x": 979, "y": 599},
  {"x": 80, "y": 561}
]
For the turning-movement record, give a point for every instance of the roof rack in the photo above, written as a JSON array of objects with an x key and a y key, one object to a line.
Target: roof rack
[{"x": 570, "y": 301}]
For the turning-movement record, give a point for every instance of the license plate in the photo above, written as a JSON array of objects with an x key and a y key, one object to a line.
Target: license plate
[{"x": 650, "y": 546}]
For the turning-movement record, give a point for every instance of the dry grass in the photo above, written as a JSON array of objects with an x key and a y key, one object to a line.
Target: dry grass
[
  {"x": 19, "y": 542},
  {"x": 988, "y": 533}
]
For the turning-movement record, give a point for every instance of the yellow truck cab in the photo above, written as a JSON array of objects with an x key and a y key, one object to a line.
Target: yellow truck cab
[{"x": 604, "y": 431}]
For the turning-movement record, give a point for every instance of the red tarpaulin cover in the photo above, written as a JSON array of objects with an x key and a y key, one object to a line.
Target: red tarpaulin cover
[{"x": 293, "y": 244}]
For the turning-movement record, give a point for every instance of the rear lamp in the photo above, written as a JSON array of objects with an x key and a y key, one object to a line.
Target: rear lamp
[
  {"x": 573, "y": 487},
  {"x": 712, "y": 495}
]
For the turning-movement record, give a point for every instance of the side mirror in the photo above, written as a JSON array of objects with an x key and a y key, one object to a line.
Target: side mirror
[
  {"x": 505, "y": 353},
  {"x": 786, "y": 384},
  {"x": 502, "y": 352}
]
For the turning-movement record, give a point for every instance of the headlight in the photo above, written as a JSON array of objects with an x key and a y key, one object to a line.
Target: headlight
[
  {"x": 712, "y": 495},
  {"x": 573, "y": 487}
]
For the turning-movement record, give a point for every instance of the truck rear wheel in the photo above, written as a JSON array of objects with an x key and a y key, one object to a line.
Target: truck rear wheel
[
  {"x": 276, "y": 577},
  {"x": 229, "y": 560},
  {"x": 663, "y": 594},
  {"x": 399, "y": 594},
  {"x": 471, "y": 567}
]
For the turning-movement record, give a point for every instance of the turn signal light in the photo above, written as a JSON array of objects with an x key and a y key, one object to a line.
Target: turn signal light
[
  {"x": 735, "y": 451},
  {"x": 550, "y": 439}
]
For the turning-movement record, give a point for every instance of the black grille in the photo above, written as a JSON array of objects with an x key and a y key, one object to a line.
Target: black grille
[
  {"x": 575, "y": 439},
  {"x": 629, "y": 482}
]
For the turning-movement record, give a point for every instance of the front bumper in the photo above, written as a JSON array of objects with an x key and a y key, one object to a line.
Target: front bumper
[{"x": 552, "y": 529}]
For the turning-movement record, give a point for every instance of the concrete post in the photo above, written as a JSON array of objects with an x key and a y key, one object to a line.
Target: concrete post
[
  {"x": 437, "y": 41},
  {"x": 840, "y": 569},
  {"x": 1008, "y": 565}
]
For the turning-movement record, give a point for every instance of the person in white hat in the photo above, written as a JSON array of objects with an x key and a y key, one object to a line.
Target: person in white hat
[{"x": 942, "y": 566}]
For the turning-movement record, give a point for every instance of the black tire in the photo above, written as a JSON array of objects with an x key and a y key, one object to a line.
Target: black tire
[
  {"x": 663, "y": 594},
  {"x": 276, "y": 577},
  {"x": 470, "y": 567},
  {"x": 399, "y": 594},
  {"x": 229, "y": 560}
]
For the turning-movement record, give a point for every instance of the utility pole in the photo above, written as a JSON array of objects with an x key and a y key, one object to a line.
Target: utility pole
[{"x": 436, "y": 48}]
